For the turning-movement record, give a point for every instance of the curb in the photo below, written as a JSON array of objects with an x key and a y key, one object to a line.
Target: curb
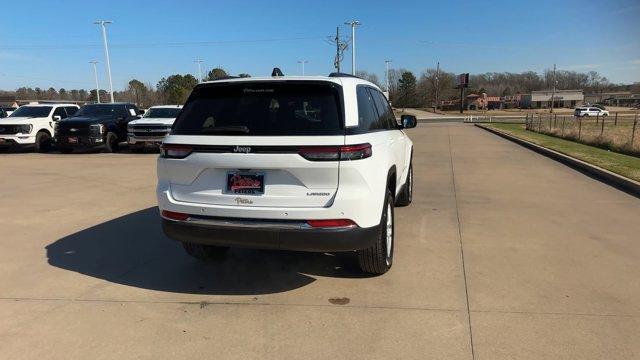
[{"x": 625, "y": 184}]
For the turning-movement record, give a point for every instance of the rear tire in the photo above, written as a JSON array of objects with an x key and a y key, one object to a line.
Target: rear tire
[
  {"x": 405, "y": 197},
  {"x": 43, "y": 142},
  {"x": 206, "y": 253},
  {"x": 379, "y": 258},
  {"x": 112, "y": 143}
]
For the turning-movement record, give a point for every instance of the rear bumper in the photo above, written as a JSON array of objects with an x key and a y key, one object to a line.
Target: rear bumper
[{"x": 269, "y": 237}]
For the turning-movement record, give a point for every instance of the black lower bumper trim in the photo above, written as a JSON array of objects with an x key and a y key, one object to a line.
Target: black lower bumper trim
[{"x": 314, "y": 240}]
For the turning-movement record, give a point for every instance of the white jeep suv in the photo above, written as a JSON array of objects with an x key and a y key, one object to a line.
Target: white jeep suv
[
  {"x": 151, "y": 129},
  {"x": 295, "y": 163},
  {"x": 32, "y": 125}
]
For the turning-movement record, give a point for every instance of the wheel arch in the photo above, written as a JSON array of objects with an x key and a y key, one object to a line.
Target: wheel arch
[
  {"x": 43, "y": 130},
  {"x": 391, "y": 180}
]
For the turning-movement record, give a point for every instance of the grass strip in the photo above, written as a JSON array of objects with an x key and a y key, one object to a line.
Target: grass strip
[{"x": 625, "y": 165}]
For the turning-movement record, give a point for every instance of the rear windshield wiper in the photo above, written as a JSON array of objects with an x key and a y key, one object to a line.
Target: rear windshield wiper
[{"x": 225, "y": 130}]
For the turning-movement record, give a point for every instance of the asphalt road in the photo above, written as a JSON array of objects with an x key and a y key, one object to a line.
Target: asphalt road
[{"x": 504, "y": 254}]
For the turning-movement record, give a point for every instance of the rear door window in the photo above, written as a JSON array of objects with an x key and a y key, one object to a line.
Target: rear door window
[
  {"x": 71, "y": 110},
  {"x": 279, "y": 108},
  {"x": 367, "y": 114},
  {"x": 387, "y": 119},
  {"x": 60, "y": 112}
]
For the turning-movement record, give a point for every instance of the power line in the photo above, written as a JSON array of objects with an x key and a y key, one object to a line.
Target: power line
[
  {"x": 158, "y": 44},
  {"x": 46, "y": 79}
]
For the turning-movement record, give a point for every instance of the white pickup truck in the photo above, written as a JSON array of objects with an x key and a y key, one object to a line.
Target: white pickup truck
[
  {"x": 31, "y": 126},
  {"x": 151, "y": 129}
]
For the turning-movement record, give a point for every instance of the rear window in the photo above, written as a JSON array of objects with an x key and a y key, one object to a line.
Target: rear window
[{"x": 262, "y": 109}]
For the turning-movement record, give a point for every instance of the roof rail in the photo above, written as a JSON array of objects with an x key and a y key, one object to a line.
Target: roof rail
[
  {"x": 226, "y": 77},
  {"x": 337, "y": 74}
]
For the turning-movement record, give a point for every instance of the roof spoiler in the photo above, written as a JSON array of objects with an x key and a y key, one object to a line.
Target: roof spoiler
[{"x": 337, "y": 74}]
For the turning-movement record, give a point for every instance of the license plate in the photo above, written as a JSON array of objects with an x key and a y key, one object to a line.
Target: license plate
[
  {"x": 248, "y": 184},
  {"x": 72, "y": 140}
]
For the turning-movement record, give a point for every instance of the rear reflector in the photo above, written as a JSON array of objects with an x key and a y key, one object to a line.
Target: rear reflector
[
  {"x": 172, "y": 151},
  {"x": 333, "y": 153},
  {"x": 331, "y": 223},
  {"x": 174, "y": 215}
]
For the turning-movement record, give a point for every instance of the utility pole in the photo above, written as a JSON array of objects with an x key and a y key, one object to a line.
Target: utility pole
[
  {"x": 437, "y": 84},
  {"x": 102, "y": 24},
  {"x": 387, "y": 64},
  {"x": 555, "y": 84},
  {"x": 95, "y": 74},
  {"x": 199, "y": 62},
  {"x": 353, "y": 24},
  {"x": 302, "y": 62}
]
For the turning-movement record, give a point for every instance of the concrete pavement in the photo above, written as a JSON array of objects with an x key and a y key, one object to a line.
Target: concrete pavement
[{"x": 503, "y": 254}]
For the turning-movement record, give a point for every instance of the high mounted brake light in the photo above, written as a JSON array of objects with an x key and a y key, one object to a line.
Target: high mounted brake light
[
  {"x": 172, "y": 151},
  {"x": 333, "y": 153}
]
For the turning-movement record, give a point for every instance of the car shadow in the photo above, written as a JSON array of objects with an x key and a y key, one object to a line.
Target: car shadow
[{"x": 132, "y": 250}]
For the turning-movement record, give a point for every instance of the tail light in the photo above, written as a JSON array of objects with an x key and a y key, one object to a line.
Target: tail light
[
  {"x": 171, "y": 151},
  {"x": 333, "y": 153},
  {"x": 355, "y": 152},
  {"x": 331, "y": 223},
  {"x": 172, "y": 215}
]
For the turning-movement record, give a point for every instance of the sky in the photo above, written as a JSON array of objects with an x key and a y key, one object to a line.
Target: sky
[{"x": 50, "y": 43}]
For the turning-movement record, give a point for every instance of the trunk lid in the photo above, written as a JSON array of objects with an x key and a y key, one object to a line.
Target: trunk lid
[{"x": 251, "y": 133}]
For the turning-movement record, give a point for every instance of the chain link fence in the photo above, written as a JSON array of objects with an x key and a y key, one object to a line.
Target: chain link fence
[{"x": 618, "y": 132}]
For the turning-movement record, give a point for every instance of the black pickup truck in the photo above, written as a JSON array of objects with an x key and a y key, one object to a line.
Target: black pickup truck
[{"x": 95, "y": 126}]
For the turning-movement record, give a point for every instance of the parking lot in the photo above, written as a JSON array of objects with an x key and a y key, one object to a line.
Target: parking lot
[{"x": 504, "y": 254}]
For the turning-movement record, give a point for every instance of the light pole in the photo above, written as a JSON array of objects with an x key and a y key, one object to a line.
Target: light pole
[
  {"x": 353, "y": 24},
  {"x": 437, "y": 85},
  {"x": 386, "y": 62},
  {"x": 102, "y": 24},
  {"x": 199, "y": 61},
  {"x": 555, "y": 84},
  {"x": 95, "y": 74},
  {"x": 302, "y": 62}
]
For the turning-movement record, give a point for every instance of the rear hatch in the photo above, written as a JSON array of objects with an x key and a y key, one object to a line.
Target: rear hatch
[{"x": 257, "y": 143}]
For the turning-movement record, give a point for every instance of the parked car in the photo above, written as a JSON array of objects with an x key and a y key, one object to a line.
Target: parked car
[
  {"x": 294, "y": 163},
  {"x": 590, "y": 111},
  {"x": 151, "y": 129},
  {"x": 96, "y": 126},
  {"x": 32, "y": 125}
]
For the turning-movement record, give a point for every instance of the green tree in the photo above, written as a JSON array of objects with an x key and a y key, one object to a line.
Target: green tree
[
  {"x": 407, "y": 93},
  {"x": 176, "y": 88},
  {"x": 216, "y": 73},
  {"x": 138, "y": 91}
]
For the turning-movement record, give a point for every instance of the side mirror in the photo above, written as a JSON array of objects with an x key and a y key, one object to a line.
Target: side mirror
[
  {"x": 408, "y": 121},
  {"x": 141, "y": 112},
  {"x": 57, "y": 117}
]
